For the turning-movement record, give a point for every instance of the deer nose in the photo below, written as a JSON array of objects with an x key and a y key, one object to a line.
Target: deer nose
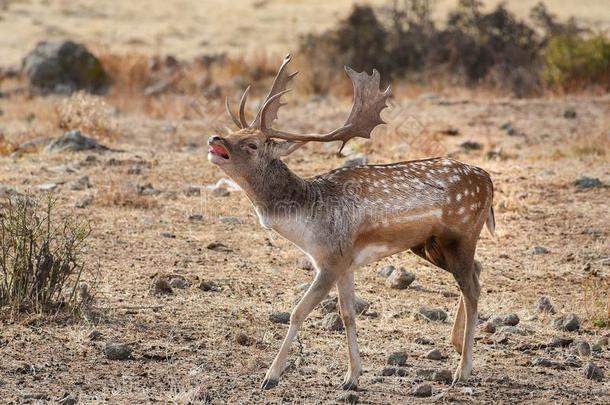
[{"x": 213, "y": 138}]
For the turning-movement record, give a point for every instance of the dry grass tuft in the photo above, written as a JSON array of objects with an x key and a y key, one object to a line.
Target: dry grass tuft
[{"x": 88, "y": 113}]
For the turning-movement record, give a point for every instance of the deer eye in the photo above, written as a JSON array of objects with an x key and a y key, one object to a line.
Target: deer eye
[{"x": 252, "y": 145}]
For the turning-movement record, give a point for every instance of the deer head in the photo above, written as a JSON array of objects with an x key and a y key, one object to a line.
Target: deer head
[{"x": 256, "y": 145}]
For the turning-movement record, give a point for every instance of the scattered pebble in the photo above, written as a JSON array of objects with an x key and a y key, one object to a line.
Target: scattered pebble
[
  {"x": 569, "y": 323},
  {"x": 431, "y": 314},
  {"x": 538, "y": 250},
  {"x": 569, "y": 114},
  {"x": 179, "y": 282},
  {"x": 423, "y": 341},
  {"x": 471, "y": 145},
  {"x": 544, "y": 304},
  {"x": 584, "y": 182},
  {"x": 160, "y": 286},
  {"x": 94, "y": 335},
  {"x": 388, "y": 371},
  {"x": 434, "y": 354},
  {"x": 559, "y": 341},
  {"x": 68, "y": 399},
  {"x": 280, "y": 317},
  {"x": 398, "y": 358},
  {"x": 508, "y": 127},
  {"x": 360, "y": 305},
  {"x": 440, "y": 375},
  {"x": 595, "y": 348},
  {"x": 583, "y": 349},
  {"x": 117, "y": 351},
  {"x": 544, "y": 362},
  {"x": 84, "y": 202},
  {"x": 73, "y": 141},
  {"x": 332, "y": 322},
  {"x": 243, "y": 340},
  {"x": 422, "y": 390},
  {"x": 602, "y": 341},
  {"x": 400, "y": 279},
  {"x": 79, "y": 184},
  {"x": 167, "y": 234},
  {"x": 218, "y": 247},
  {"x": 208, "y": 286},
  {"x": 350, "y": 398},
  {"x": 593, "y": 372},
  {"x": 386, "y": 271}
]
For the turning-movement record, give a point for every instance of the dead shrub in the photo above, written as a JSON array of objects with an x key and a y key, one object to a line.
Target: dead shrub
[
  {"x": 88, "y": 113},
  {"x": 41, "y": 258}
]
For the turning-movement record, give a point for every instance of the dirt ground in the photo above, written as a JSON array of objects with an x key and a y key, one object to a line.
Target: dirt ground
[{"x": 186, "y": 344}]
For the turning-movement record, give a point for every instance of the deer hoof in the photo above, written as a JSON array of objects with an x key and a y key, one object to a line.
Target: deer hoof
[
  {"x": 268, "y": 384},
  {"x": 349, "y": 386}
]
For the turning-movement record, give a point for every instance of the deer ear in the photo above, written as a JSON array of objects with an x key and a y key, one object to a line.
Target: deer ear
[{"x": 285, "y": 148}]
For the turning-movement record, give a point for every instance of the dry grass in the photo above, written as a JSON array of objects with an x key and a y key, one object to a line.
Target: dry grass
[{"x": 89, "y": 114}]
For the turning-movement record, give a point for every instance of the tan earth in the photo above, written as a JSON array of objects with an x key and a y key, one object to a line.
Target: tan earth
[{"x": 197, "y": 346}]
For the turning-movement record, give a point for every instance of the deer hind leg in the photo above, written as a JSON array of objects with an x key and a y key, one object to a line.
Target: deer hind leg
[
  {"x": 345, "y": 288},
  {"x": 457, "y": 333},
  {"x": 320, "y": 287}
]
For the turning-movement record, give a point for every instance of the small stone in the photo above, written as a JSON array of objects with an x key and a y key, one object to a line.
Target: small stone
[
  {"x": 195, "y": 217},
  {"x": 569, "y": 114},
  {"x": 68, "y": 399},
  {"x": 602, "y": 341},
  {"x": 161, "y": 286},
  {"x": 423, "y": 341},
  {"x": 73, "y": 141},
  {"x": 356, "y": 161},
  {"x": 280, "y": 317},
  {"x": 94, "y": 335},
  {"x": 422, "y": 390},
  {"x": 84, "y": 202},
  {"x": 544, "y": 304},
  {"x": 48, "y": 186},
  {"x": 569, "y": 323},
  {"x": 218, "y": 247},
  {"x": 360, "y": 305},
  {"x": 243, "y": 340},
  {"x": 208, "y": 286},
  {"x": 117, "y": 351},
  {"x": 386, "y": 271},
  {"x": 179, "y": 282},
  {"x": 583, "y": 349},
  {"x": 595, "y": 348},
  {"x": 471, "y": 145},
  {"x": 572, "y": 361},
  {"x": 79, "y": 184},
  {"x": 388, "y": 371},
  {"x": 538, "y": 250},
  {"x": 488, "y": 327},
  {"x": 402, "y": 372},
  {"x": 431, "y": 314},
  {"x": 584, "y": 182},
  {"x": 443, "y": 375},
  {"x": 593, "y": 372},
  {"x": 398, "y": 358},
  {"x": 332, "y": 322},
  {"x": 508, "y": 127},
  {"x": 559, "y": 341},
  {"x": 400, "y": 279},
  {"x": 167, "y": 234},
  {"x": 544, "y": 362},
  {"x": 434, "y": 354},
  {"x": 504, "y": 319},
  {"x": 350, "y": 398}
]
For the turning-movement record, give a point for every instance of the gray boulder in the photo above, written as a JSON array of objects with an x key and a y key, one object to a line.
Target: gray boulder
[{"x": 64, "y": 67}]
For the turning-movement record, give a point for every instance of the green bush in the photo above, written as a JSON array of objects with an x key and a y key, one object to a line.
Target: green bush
[
  {"x": 572, "y": 61},
  {"x": 40, "y": 255}
]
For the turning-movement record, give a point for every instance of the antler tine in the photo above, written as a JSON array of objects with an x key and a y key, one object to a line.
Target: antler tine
[
  {"x": 368, "y": 102},
  {"x": 242, "y": 107},
  {"x": 273, "y": 103},
  {"x": 233, "y": 117},
  {"x": 265, "y": 109}
]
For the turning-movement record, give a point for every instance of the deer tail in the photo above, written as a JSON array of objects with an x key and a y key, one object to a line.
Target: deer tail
[{"x": 490, "y": 223}]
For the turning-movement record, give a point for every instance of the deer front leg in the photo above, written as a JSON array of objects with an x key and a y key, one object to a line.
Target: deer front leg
[
  {"x": 316, "y": 292},
  {"x": 345, "y": 288},
  {"x": 470, "y": 295}
]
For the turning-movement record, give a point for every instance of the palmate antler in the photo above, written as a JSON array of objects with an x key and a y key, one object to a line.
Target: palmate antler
[{"x": 364, "y": 117}]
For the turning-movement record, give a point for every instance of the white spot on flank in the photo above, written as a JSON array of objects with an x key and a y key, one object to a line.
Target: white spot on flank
[
  {"x": 458, "y": 197},
  {"x": 461, "y": 210}
]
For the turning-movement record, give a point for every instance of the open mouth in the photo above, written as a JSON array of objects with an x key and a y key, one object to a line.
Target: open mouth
[{"x": 219, "y": 150}]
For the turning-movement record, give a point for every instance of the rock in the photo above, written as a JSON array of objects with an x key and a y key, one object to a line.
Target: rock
[
  {"x": 350, "y": 398},
  {"x": 569, "y": 114},
  {"x": 94, "y": 335},
  {"x": 64, "y": 67},
  {"x": 219, "y": 247},
  {"x": 117, "y": 351},
  {"x": 569, "y": 323},
  {"x": 179, "y": 282},
  {"x": 431, "y": 314},
  {"x": 386, "y": 271},
  {"x": 168, "y": 234},
  {"x": 582, "y": 349},
  {"x": 402, "y": 372},
  {"x": 195, "y": 217},
  {"x": 584, "y": 182},
  {"x": 440, "y": 375},
  {"x": 161, "y": 286},
  {"x": 544, "y": 362},
  {"x": 84, "y": 202},
  {"x": 73, "y": 141},
  {"x": 513, "y": 330},
  {"x": 434, "y": 354},
  {"x": 488, "y": 327},
  {"x": 280, "y": 317},
  {"x": 360, "y": 305},
  {"x": 544, "y": 304},
  {"x": 572, "y": 361},
  {"x": 422, "y": 390},
  {"x": 508, "y": 127},
  {"x": 398, "y": 358},
  {"x": 538, "y": 250},
  {"x": 400, "y": 279},
  {"x": 50, "y": 186},
  {"x": 595, "y": 348},
  {"x": 602, "y": 341},
  {"x": 559, "y": 341},
  {"x": 423, "y": 341},
  {"x": 68, "y": 399},
  {"x": 471, "y": 145},
  {"x": 243, "y": 340},
  {"x": 208, "y": 286},
  {"x": 504, "y": 319},
  {"x": 332, "y": 322},
  {"x": 388, "y": 371},
  {"x": 593, "y": 372},
  {"x": 356, "y": 161},
  {"x": 79, "y": 184},
  {"x": 329, "y": 305}
]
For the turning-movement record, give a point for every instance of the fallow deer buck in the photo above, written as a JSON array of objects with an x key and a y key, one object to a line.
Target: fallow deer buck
[{"x": 350, "y": 217}]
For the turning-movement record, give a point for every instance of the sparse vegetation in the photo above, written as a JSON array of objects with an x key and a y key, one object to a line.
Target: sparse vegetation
[
  {"x": 87, "y": 113},
  {"x": 41, "y": 255}
]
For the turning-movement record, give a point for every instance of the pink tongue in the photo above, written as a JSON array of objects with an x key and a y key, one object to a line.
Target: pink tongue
[{"x": 219, "y": 150}]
